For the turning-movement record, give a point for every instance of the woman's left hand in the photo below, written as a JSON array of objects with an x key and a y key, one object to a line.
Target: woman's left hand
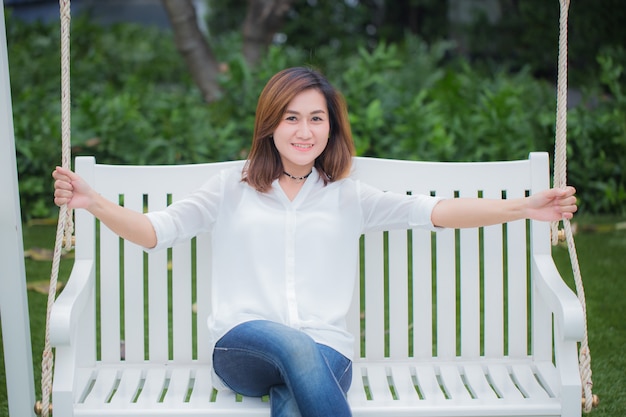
[{"x": 552, "y": 205}]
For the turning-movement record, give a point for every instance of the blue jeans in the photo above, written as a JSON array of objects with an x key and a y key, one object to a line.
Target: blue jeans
[{"x": 302, "y": 377}]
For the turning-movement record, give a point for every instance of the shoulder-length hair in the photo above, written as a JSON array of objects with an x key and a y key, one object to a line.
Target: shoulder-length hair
[{"x": 264, "y": 164}]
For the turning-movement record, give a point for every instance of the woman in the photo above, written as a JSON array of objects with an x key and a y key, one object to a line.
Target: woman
[{"x": 286, "y": 229}]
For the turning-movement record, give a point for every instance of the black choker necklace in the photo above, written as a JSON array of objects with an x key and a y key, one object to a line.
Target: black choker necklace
[{"x": 293, "y": 177}]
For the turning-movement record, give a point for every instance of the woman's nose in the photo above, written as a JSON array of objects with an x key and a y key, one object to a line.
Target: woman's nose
[{"x": 304, "y": 131}]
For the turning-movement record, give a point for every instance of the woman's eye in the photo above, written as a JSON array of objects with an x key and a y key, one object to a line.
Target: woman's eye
[{"x": 291, "y": 118}]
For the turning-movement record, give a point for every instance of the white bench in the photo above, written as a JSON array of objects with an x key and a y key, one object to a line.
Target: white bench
[{"x": 476, "y": 322}]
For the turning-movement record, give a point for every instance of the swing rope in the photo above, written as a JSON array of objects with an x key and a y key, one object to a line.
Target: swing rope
[
  {"x": 65, "y": 224},
  {"x": 560, "y": 181}
]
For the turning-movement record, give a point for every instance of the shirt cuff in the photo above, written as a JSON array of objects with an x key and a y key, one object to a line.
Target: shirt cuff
[
  {"x": 160, "y": 223},
  {"x": 421, "y": 215}
]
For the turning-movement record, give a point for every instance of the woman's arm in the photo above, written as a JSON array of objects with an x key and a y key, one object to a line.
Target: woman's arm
[
  {"x": 71, "y": 189},
  {"x": 549, "y": 205}
]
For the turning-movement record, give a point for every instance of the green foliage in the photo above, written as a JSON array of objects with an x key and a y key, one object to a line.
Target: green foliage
[
  {"x": 598, "y": 140},
  {"x": 134, "y": 103}
]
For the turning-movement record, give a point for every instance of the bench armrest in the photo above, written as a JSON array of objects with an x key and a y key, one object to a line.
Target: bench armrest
[
  {"x": 563, "y": 302},
  {"x": 69, "y": 306}
]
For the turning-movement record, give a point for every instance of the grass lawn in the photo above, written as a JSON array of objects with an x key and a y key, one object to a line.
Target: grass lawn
[{"x": 602, "y": 255}]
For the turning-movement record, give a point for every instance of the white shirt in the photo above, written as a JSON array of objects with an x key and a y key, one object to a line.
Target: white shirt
[{"x": 292, "y": 262}]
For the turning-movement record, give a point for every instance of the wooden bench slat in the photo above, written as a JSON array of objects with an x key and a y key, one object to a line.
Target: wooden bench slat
[
  {"x": 374, "y": 301},
  {"x": 398, "y": 300},
  {"x": 202, "y": 390},
  {"x": 502, "y": 382},
  {"x": 525, "y": 377},
  {"x": 453, "y": 383},
  {"x": 109, "y": 296},
  {"x": 478, "y": 382},
  {"x": 446, "y": 320},
  {"x": 102, "y": 389},
  {"x": 133, "y": 286},
  {"x": 129, "y": 384},
  {"x": 428, "y": 383},
  {"x": 378, "y": 383},
  {"x": 178, "y": 387},
  {"x": 153, "y": 386},
  {"x": 403, "y": 383}
]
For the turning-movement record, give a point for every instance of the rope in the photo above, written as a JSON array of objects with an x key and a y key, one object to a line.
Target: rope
[
  {"x": 560, "y": 181},
  {"x": 65, "y": 224}
]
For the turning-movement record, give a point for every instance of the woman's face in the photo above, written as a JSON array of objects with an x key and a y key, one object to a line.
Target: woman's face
[{"x": 302, "y": 134}]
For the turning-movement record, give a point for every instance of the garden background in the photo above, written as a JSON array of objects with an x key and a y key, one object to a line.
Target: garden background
[{"x": 420, "y": 82}]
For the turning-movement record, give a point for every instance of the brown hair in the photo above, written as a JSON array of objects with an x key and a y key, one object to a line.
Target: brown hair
[{"x": 264, "y": 164}]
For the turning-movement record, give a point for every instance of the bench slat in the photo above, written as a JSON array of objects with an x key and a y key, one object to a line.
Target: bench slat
[
  {"x": 374, "y": 301},
  {"x": 428, "y": 384},
  {"x": 102, "y": 388},
  {"x": 109, "y": 296},
  {"x": 133, "y": 278},
  {"x": 446, "y": 295},
  {"x": 203, "y": 286},
  {"x": 478, "y": 383},
  {"x": 178, "y": 387},
  {"x": 422, "y": 294},
  {"x": 403, "y": 384},
  {"x": 469, "y": 294},
  {"x": 158, "y": 325},
  {"x": 153, "y": 386},
  {"x": 202, "y": 387},
  {"x": 453, "y": 383},
  {"x": 502, "y": 382},
  {"x": 493, "y": 289},
  {"x": 525, "y": 377},
  {"x": 181, "y": 302},
  {"x": 378, "y": 383},
  {"x": 129, "y": 383},
  {"x": 517, "y": 279},
  {"x": 398, "y": 300}
]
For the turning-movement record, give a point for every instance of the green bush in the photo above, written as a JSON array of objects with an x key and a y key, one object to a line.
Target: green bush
[
  {"x": 597, "y": 144},
  {"x": 133, "y": 102}
]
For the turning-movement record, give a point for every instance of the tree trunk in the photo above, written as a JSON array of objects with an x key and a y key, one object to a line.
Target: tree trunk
[
  {"x": 263, "y": 19},
  {"x": 193, "y": 46}
]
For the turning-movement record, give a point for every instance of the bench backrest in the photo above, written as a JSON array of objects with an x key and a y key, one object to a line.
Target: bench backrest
[{"x": 421, "y": 294}]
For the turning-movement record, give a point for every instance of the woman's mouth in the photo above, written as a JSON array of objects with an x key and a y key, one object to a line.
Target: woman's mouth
[{"x": 302, "y": 146}]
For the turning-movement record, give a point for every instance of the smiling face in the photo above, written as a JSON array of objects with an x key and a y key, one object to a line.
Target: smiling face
[{"x": 302, "y": 134}]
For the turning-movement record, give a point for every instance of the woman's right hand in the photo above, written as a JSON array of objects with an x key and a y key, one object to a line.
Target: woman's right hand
[{"x": 71, "y": 189}]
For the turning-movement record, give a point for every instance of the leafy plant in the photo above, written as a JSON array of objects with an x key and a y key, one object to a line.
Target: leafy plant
[{"x": 134, "y": 103}]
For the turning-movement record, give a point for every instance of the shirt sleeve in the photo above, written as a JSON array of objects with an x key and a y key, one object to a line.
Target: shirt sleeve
[
  {"x": 389, "y": 210},
  {"x": 189, "y": 216}
]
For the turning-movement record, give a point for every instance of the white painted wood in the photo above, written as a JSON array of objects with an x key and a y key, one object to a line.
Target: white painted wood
[
  {"x": 422, "y": 294},
  {"x": 478, "y": 365},
  {"x": 13, "y": 300},
  {"x": 446, "y": 319},
  {"x": 181, "y": 300},
  {"x": 374, "y": 301},
  {"x": 398, "y": 295}
]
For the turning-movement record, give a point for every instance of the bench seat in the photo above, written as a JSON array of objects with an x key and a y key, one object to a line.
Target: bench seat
[{"x": 433, "y": 388}]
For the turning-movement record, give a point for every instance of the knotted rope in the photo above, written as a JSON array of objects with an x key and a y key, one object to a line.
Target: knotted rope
[
  {"x": 560, "y": 181},
  {"x": 65, "y": 225}
]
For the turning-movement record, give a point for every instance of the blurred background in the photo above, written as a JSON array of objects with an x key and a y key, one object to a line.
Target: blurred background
[
  {"x": 176, "y": 81},
  {"x": 424, "y": 79}
]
